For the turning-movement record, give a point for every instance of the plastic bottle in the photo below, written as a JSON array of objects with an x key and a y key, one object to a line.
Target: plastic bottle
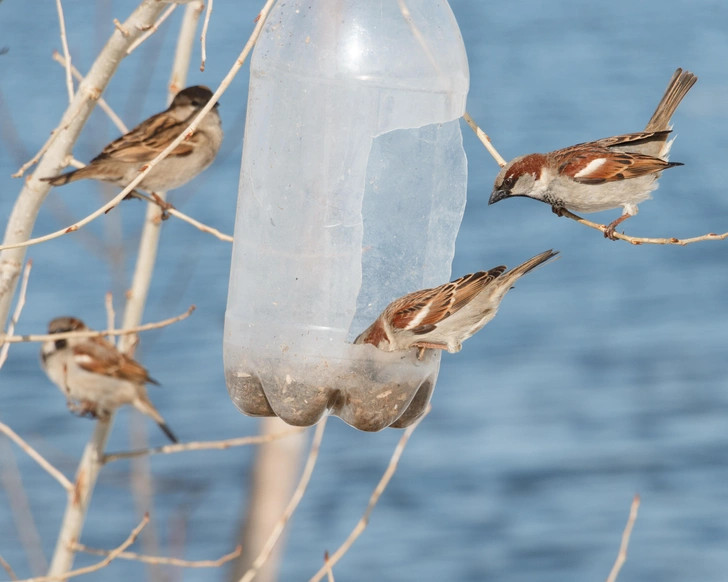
[{"x": 351, "y": 194}]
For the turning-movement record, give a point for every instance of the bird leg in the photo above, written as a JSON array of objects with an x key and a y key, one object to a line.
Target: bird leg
[
  {"x": 558, "y": 210},
  {"x": 163, "y": 204},
  {"x": 83, "y": 408},
  {"x": 422, "y": 346},
  {"x": 609, "y": 230}
]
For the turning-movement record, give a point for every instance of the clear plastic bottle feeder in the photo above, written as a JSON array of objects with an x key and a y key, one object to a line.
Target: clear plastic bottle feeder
[{"x": 352, "y": 190}]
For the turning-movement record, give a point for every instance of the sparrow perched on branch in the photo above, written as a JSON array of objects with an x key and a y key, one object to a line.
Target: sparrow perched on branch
[
  {"x": 603, "y": 174},
  {"x": 122, "y": 160},
  {"x": 95, "y": 376},
  {"x": 444, "y": 317}
]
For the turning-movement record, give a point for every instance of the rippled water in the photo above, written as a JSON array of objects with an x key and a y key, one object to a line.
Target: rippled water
[{"x": 604, "y": 374}]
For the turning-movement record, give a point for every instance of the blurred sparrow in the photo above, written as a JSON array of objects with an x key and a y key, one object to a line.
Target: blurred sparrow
[
  {"x": 444, "y": 317},
  {"x": 121, "y": 160},
  {"x": 95, "y": 376},
  {"x": 603, "y": 174}
]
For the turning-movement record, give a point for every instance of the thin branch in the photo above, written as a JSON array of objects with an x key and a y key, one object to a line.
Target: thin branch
[
  {"x": 66, "y": 52},
  {"x": 84, "y": 221},
  {"x": 172, "y": 211},
  {"x": 91, "y": 333},
  {"x": 636, "y": 240},
  {"x": 111, "y": 556},
  {"x": 185, "y": 44},
  {"x": 36, "y": 456},
  {"x": 376, "y": 494},
  {"x": 18, "y": 310},
  {"x": 121, "y": 28},
  {"x": 163, "y": 560},
  {"x": 102, "y": 103},
  {"x": 622, "y": 555},
  {"x": 152, "y": 29},
  {"x": 202, "y": 445},
  {"x": 292, "y": 504},
  {"x": 203, "y": 36},
  {"x": 7, "y": 568},
  {"x": 484, "y": 139}
]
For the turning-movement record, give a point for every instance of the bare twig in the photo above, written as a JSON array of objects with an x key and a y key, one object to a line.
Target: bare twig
[
  {"x": 484, "y": 139},
  {"x": 185, "y": 44},
  {"x": 110, "y": 557},
  {"x": 84, "y": 221},
  {"x": 36, "y": 456},
  {"x": 203, "y": 36},
  {"x": 292, "y": 504},
  {"x": 7, "y": 568},
  {"x": 622, "y": 555},
  {"x": 66, "y": 52},
  {"x": 103, "y": 104},
  {"x": 16, "y": 314},
  {"x": 635, "y": 240},
  {"x": 163, "y": 560},
  {"x": 172, "y": 211},
  {"x": 121, "y": 28},
  {"x": 91, "y": 333},
  {"x": 152, "y": 29},
  {"x": 202, "y": 445},
  {"x": 376, "y": 494}
]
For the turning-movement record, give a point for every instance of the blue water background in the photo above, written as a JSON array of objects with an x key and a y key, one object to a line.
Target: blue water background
[{"x": 604, "y": 374}]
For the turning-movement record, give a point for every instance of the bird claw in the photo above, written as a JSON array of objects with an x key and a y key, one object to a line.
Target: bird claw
[
  {"x": 558, "y": 210},
  {"x": 83, "y": 409},
  {"x": 610, "y": 230},
  {"x": 163, "y": 204}
]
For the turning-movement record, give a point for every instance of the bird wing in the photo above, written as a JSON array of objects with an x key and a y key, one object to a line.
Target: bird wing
[
  {"x": 147, "y": 140},
  {"x": 421, "y": 311},
  {"x": 597, "y": 164},
  {"x": 632, "y": 138},
  {"x": 100, "y": 357}
]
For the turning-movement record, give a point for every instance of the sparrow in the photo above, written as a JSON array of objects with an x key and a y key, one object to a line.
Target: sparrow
[
  {"x": 444, "y": 317},
  {"x": 602, "y": 174},
  {"x": 121, "y": 160},
  {"x": 95, "y": 376}
]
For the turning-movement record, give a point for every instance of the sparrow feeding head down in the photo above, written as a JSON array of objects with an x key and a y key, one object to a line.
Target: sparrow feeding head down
[
  {"x": 95, "y": 377},
  {"x": 121, "y": 160},
  {"x": 603, "y": 174},
  {"x": 444, "y": 317}
]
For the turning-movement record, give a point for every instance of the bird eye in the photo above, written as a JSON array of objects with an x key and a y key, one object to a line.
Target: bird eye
[{"x": 508, "y": 183}]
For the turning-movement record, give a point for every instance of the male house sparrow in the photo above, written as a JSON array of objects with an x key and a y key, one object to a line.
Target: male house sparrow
[
  {"x": 444, "y": 317},
  {"x": 603, "y": 174},
  {"x": 121, "y": 160},
  {"x": 95, "y": 376}
]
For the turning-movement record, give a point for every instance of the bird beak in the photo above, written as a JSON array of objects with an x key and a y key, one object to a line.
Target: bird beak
[{"x": 497, "y": 195}]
